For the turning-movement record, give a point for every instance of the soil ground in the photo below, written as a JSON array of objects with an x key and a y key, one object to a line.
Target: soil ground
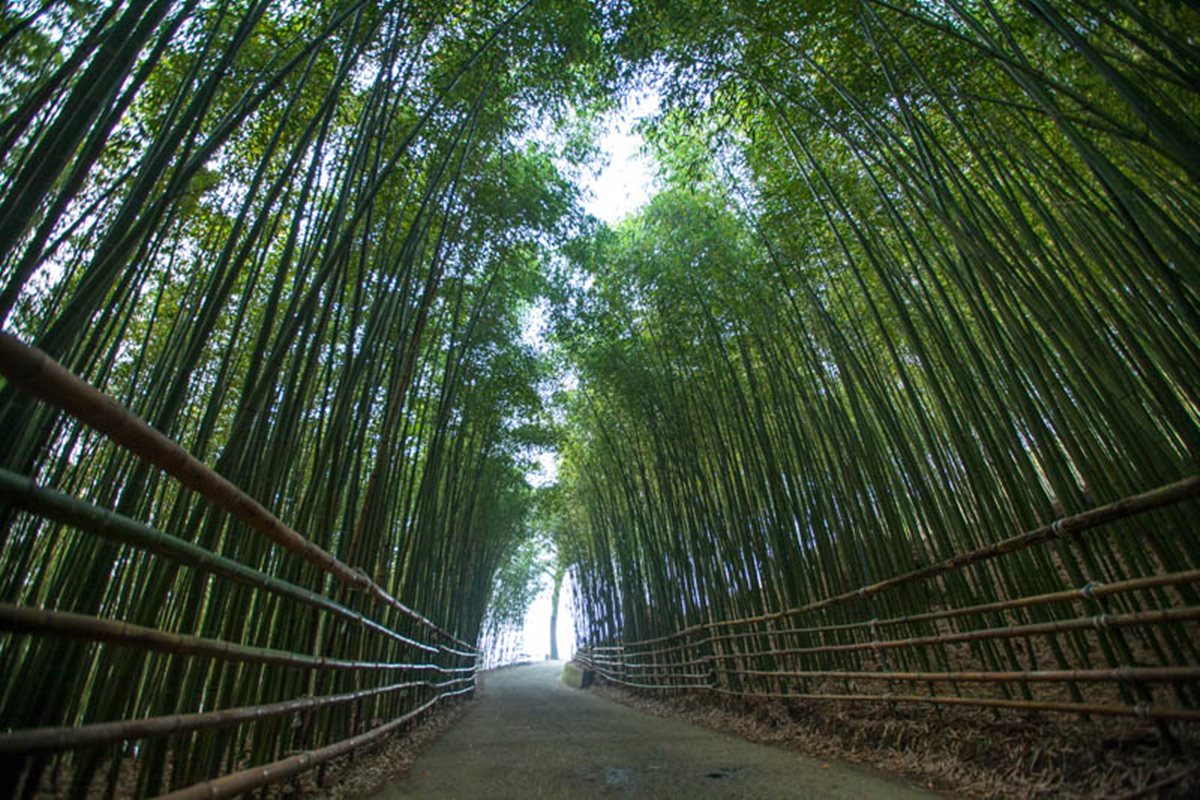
[
  {"x": 963, "y": 752},
  {"x": 530, "y": 736}
]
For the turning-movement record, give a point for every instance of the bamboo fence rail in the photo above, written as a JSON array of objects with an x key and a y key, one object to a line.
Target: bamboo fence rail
[
  {"x": 65, "y": 738},
  {"x": 1098, "y": 622},
  {"x": 1073, "y": 525},
  {"x": 767, "y": 661},
  {"x": 1120, "y": 675},
  {"x": 44, "y": 622},
  {"x": 33, "y": 371},
  {"x": 49, "y": 504},
  {"x": 30, "y": 369},
  {"x": 249, "y": 779},
  {"x": 1092, "y": 591}
]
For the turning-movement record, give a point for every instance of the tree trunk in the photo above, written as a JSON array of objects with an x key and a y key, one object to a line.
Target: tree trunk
[{"x": 559, "y": 573}]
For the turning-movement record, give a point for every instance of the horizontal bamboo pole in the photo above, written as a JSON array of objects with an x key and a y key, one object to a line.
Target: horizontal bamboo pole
[
  {"x": 1157, "y": 617},
  {"x": 627, "y": 662},
  {"x": 27, "y": 494},
  {"x": 844, "y": 626},
  {"x": 657, "y": 675},
  {"x": 246, "y": 780},
  {"x": 452, "y": 670},
  {"x": 1124, "y": 508},
  {"x": 663, "y": 687},
  {"x": 1090, "y": 592},
  {"x": 36, "y": 740},
  {"x": 702, "y": 627},
  {"x": 1142, "y": 711},
  {"x": 460, "y": 653},
  {"x": 1117, "y": 675},
  {"x": 609, "y": 662},
  {"x": 636, "y": 651},
  {"x": 33, "y": 371},
  {"x": 39, "y": 621},
  {"x": 694, "y": 662},
  {"x": 457, "y": 692}
]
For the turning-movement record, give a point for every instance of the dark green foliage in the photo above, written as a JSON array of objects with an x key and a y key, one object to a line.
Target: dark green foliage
[
  {"x": 922, "y": 278},
  {"x": 922, "y": 275},
  {"x": 297, "y": 239}
]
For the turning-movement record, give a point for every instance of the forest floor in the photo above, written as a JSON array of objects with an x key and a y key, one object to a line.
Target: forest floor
[
  {"x": 529, "y": 736},
  {"x": 970, "y": 753}
]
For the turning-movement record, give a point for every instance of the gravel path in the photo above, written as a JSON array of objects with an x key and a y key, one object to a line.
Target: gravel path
[{"x": 530, "y": 736}]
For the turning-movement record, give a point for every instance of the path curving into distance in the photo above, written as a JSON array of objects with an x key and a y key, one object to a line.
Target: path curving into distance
[{"x": 530, "y": 736}]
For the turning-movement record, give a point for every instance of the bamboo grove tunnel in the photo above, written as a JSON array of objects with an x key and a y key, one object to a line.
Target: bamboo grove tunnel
[{"x": 878, "y": 422}]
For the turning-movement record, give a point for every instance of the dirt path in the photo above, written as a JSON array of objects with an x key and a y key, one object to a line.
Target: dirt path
[{"x": 532, "y": 737}]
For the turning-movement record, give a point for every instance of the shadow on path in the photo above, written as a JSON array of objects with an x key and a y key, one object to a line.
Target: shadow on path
[{"x": 532, "y": 737}]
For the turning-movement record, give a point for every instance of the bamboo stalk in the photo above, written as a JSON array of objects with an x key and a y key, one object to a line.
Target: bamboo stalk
[
  {"x": 36, "y": 373},
  {"x": 25, "y": 493},
  {"x": 44, "y": 622},
  {"x": 243, "y": 781},
  {"x": 26, "y": 742},
  {"x": 1073, "y": 525},
  {"x": 1098, "y": 622}
]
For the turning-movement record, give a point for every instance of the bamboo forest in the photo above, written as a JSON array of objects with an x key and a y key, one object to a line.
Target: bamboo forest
[{"x": 876, "y": 426}]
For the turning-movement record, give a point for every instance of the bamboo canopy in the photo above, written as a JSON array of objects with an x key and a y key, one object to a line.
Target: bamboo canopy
[
  {"x": 894, "y": 383},
  {"x": 895, "y": 379},
  {"x": 263, "y": 269}
]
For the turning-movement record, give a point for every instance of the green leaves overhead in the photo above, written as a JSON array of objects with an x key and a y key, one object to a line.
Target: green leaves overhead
[{"x": 920, "y": 276}]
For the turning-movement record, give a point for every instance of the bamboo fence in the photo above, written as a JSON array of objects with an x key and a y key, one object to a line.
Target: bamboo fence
[
  {"x": 756, "y": 657},
  {"x": 259, "y": 367},
  {"x": 444, "y": 654}
]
